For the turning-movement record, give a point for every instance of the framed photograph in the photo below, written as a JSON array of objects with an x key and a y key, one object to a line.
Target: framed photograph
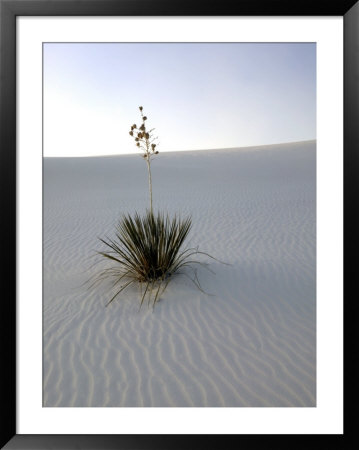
[{"x": 173, "y": 181}]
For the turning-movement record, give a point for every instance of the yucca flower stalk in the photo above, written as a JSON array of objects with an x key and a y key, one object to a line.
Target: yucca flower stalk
[{"x": 147, "y": 143}]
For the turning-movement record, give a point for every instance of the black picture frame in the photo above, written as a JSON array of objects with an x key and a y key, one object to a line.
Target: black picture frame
[{"x": 9, "y": 10}]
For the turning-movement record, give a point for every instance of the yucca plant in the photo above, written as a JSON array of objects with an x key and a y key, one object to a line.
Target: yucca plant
[{"x": 148, "y": 250}]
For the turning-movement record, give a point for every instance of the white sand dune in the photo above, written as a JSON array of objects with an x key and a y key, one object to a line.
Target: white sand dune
[{"x": 252, "y": 343}]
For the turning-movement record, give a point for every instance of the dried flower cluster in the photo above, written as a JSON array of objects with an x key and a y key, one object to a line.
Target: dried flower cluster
[
  {"x": 146, "y": 142},
  {"x": 144, "y": 139}
]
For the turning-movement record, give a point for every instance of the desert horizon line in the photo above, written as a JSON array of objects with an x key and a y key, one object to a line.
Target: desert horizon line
[{"x": 187, "y": 150}]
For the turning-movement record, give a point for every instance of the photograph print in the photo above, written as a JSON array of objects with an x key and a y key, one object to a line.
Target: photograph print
[{"x": 179, "y": 224}]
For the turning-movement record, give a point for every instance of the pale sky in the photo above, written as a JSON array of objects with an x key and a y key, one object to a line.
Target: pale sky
[{"x": 196, "y": 96}]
